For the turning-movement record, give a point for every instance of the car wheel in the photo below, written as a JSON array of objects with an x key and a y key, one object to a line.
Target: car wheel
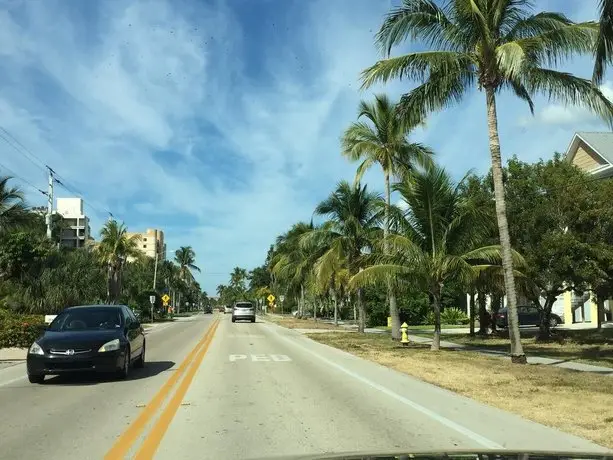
[
  {"x": 553, "y": 321},
  {"x": 140, "y": 362},
  {"x": 234, "y": 320},
  {"x": 125, "y": 368},
  {"x": 253, "y": 320},
  {"x": 36, "y": 378}
]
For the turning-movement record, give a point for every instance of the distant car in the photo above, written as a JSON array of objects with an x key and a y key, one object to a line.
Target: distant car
[
  {"x": 222, "y": 309},
  {"x": 527, "y": 315},
  {"x": 243, "y": 310},
  {"x": 100, "y": 338},
  {"x": 228, "y": 309}
]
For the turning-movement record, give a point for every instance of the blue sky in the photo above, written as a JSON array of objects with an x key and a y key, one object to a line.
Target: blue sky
[{"x": 219, "y": 121}]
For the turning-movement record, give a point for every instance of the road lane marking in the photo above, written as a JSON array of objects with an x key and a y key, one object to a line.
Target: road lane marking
[
  {"x": 131, "y": 434},
  {"x": 280, "y": 358},
  {"x": 485, "y": 442},
  {"x": 152, "y": 442},
  {"x": 260, "y": 358}
]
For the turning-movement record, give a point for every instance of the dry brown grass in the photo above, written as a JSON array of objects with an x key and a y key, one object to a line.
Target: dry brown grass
[
  {"x": 294, "y": 323},
  {"x": 589, "y": 346},
  {"x": 574, "y": 402}
]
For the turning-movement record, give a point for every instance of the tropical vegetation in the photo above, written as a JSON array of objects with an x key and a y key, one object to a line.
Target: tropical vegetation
[{"x": 39, "y": 276}]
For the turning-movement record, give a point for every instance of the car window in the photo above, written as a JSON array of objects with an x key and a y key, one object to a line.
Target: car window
[
  {"x": 83, "y": 319},
  {"x": 131, "y": 315},
  {"x": 127, "y": 316},
  {"x": 244, "y": 305}
]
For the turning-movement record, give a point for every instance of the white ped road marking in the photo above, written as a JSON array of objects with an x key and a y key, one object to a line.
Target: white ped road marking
[
  {"x": 260, "y": 358},
  {"x": 418, "y": 407}
]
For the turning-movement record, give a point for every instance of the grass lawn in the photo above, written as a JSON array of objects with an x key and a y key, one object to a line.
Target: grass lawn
[
  {"x": 574, "y": 402},
  {"x": 294, "y": 323},
  {"x": 586, "y": 346}
]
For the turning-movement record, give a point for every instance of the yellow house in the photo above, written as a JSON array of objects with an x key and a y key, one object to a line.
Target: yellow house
[{"x": 593, "y": 153}]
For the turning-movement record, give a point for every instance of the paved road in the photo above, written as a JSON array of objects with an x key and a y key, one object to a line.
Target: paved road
[{"x": 253, "y": 391}]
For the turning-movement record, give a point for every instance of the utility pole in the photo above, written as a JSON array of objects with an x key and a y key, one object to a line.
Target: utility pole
[
  {"x": 49, "y": 203},
  {"x": 155, "y": 270}
]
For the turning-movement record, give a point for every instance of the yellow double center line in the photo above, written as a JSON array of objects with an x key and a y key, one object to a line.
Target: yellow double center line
[{"x": 151, "y": 443}]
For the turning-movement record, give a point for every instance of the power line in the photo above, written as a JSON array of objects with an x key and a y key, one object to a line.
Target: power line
[
  {"x": 16, "y": 145},
  {"x": 20, "y": 148},
  {"x": 27, "y": 182}
]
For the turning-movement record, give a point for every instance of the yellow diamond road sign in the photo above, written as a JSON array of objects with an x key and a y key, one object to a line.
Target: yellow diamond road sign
[
  {"x": 165, "y": 298},
  {"x": 270, "y": 298}
]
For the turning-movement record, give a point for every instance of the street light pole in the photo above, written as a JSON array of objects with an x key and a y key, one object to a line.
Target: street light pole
[{"x": 155, "y": 270}]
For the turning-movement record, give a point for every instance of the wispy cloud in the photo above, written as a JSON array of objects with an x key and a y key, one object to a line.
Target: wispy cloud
[{"x": 218, "y": 122}]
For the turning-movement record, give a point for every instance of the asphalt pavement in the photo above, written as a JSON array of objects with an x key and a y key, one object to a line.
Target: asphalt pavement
[{"x": 214, "y": 389}]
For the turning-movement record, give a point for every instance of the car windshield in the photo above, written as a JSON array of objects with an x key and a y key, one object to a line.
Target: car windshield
[{"x": 83, "y": 319}]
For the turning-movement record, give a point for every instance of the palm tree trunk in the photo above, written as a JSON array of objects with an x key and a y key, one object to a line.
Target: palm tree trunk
[
  {"x": 109, "y": 284},
  {"x": 391, "y": 295},
  {"x": 472, "y": 313},
  {"x": 335, "y": 304},
  {"x": 361, "y": 311},
  {"x": 517, "y": 352},
  {"x": 301, "y": 307},
  {"x": 436, "y": 307}
]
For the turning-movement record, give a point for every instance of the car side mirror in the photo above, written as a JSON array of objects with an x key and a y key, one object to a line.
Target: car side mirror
[{"x": 135, "y": 325}]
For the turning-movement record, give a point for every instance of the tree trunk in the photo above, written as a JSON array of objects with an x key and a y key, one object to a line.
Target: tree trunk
[
  {"x": 361, "y": 311},
  {"x": 545, "y": 327},
  {"x": 391, "y": 294},
  {"x": 517, "y": 351},
  {"x": 335, "y": 304},
  {"x": 436, "y": 307},
  {"x": 109, "y": 284},
  {"x": 600, "y": 310},
  {"x": 483, "y": 320},
  {"x": 472, "y": 313},
  {"x": 301, "y": 305},
  {"x": 496, "y": 303}
]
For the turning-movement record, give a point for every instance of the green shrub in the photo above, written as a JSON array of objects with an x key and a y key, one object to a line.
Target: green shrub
[
  {"x": 453, "y": 316},
  {"x": 19, "y": 330}
]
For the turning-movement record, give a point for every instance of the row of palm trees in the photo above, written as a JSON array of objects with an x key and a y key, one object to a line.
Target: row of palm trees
[
  {"x": 437, "y": 236},
  {"x": 489, "y": 45}
]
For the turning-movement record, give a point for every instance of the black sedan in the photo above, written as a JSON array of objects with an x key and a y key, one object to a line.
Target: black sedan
[
  {"x": 100, "y": 338},
  {"x": 527, "y": 315}
]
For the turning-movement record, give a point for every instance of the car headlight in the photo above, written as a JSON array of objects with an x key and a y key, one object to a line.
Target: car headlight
[
  {"x": 36, "y": 349},
  {"x": 113, "y": 345}
]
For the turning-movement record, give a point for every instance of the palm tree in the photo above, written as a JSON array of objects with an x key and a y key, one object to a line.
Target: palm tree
[
  {"x": 185, "y": 257},
  {"x": 384, "y": 141},
  {"x": 604, "y": 42},
  {"x": 493, "y": 45},
  {"x": 435, "y": 243},
  {"x": 114, "y": 249},
  {"x": 354, "y": 217},
  {"x": 292, "y": 262},
  {"x": 12, "y": 204}
]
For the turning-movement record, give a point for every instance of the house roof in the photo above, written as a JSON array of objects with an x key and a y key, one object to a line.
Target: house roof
[{"x": 599, "y": 142}]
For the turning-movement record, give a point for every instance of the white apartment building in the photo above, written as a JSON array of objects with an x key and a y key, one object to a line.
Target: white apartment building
[
  {"x": 75, "y": 228},
  {"x": 151, "y": 241}
]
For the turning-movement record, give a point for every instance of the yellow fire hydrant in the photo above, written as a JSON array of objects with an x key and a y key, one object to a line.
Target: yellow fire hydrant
[{"x": 404, "y": 340}]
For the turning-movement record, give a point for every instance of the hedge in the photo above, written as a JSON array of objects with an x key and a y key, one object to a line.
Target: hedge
[{"x": 20, "y": 330}]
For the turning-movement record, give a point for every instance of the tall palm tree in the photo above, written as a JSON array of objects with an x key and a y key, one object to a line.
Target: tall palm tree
[
  {"x": 114, "y": 249},
  {"x": 604, "y": 43},
  {"x": 493, "y": 45},
  {"x": 383, "y": 140},
  {"x": 12, "y": 204},
  {"x": 436, "y": 240},
  {"x": 292, "y": 262},
  {"x": 353, "y": 226},
  {"x": 185, "y": 258}
]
